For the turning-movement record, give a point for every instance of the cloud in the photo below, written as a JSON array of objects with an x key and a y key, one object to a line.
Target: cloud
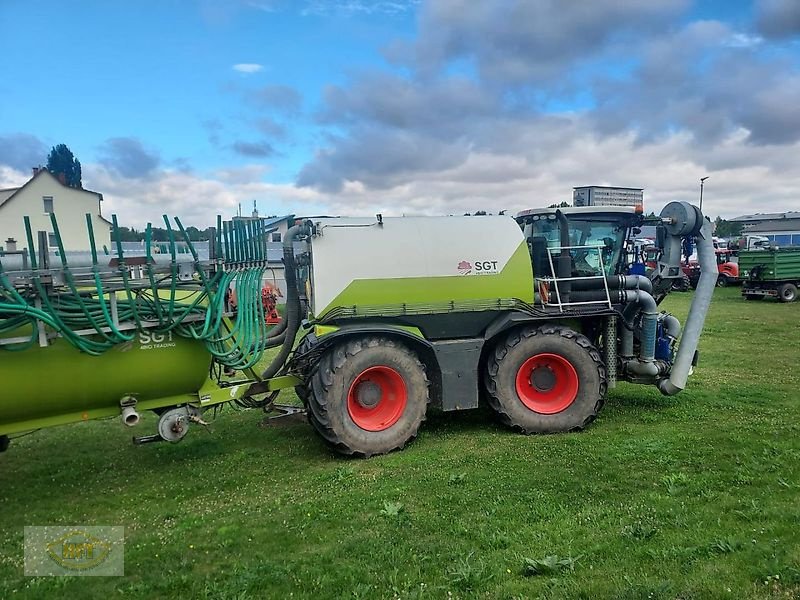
[
  {"x": 196, "y": 198},
  {"x": 253, "y": 149},
  {"x": 213, "y": 128},
  {"x": 22, "y": 151},
  {"x": 778, "y": 18},
  {"x": 483, "y": 116},
  {"x": 128, "y": 157},
  {"x": 281, "y": 98},
  {"x": 522, "y": 41},
  {"x": 271, "y": 127},
  {"x": 248, "y": 68},
  {"x": 367, "y": 7}
]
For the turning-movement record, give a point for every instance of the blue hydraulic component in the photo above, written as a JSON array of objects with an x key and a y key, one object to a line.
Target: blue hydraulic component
[{"x": 663, "y": 344}]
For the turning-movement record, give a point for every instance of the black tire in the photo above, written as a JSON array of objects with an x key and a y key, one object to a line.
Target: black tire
[
  {"x": 333, "y": 407},
  {"x": 787, "y": 292},
  {"x": 511, "y": 355},
  {"x": 723, "y": 281},
  {"x": 5, "y": 441},
  {"x": 683, "y": 284},
  {"x": 753, "y": 297}
]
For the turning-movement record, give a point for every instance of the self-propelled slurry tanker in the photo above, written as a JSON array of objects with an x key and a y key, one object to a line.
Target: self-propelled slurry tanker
[{"x": 384, "y": 317}]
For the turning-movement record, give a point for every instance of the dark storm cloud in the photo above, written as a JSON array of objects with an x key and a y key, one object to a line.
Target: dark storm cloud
[
  {"x": 778, "y": 18},
  {"x": 253, "y": 149},
  {"x": 688, "y": 81},
  {"x": 380, "y": 158},
  {"x": 128, "y": 157},
  {"x": 499, "y": 80},
  {"x": 281, "y": 98},
  {"x": 523, "y": 41},
  {"x": 22, "y": 151}
]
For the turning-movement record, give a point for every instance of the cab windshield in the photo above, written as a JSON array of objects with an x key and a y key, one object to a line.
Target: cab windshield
[{"x": 592, "y": 241}]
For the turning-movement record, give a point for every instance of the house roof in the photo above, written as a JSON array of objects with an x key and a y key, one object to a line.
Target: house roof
[
  {"x": 790, "y": 224},
  {"x": 768, "y": 216},
  {"x": 8, "y": 193}
]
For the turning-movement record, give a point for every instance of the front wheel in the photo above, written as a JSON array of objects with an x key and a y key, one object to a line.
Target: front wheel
[
  {"x": 546, "y": 379},
  {"x": 368, "y": 396},
  {"x": 787, "y": 292},
  {"x": 723, "y": 281}
]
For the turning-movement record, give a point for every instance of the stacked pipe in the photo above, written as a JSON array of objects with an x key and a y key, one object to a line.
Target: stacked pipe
[{"x": 88, "y": 308}]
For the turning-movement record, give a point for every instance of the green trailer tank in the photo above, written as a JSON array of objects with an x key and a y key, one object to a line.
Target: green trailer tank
[
  {"x": 86, "y": 335},
  {"x": 770, "y": 273}
]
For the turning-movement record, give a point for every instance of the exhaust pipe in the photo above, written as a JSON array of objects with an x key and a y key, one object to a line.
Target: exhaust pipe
[
  {"x": 697, "y": 313},
  {"x": 129, "y": 416},
  {"x": 128, "y": 411}
]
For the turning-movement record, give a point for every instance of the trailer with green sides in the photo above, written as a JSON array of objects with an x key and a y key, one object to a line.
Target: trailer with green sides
[{"x": 770, "y": 273}]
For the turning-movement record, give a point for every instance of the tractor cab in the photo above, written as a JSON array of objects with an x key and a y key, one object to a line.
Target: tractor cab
[{"x": 597, "y": 238}]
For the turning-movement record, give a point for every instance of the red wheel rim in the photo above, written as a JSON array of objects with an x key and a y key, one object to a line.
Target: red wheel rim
[
  {"x": 547, "y": 383},
  {"x": 377, "y": 398}
]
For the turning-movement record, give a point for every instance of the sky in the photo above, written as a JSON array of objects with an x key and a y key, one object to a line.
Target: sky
[{"x": 354, "y": 107}]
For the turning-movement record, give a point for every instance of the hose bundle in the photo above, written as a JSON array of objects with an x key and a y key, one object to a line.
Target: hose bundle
[{"x": 98, "y": 309}]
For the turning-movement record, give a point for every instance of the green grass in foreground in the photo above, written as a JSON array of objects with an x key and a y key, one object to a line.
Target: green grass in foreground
[{"x": 696, "y": 496}]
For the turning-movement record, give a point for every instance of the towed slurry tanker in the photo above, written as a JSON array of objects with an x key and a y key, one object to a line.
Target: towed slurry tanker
[{"x": 384, "y": 317}]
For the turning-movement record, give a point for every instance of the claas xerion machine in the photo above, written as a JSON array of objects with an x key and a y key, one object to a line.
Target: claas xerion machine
[{"x": 384, "y": 317}]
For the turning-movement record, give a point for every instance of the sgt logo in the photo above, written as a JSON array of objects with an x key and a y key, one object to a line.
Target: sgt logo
[
  {"x": 74, "y": 550},
  {"x": 78, "y": 550},
  {"x": 478, "y": 267},
  {"x": 152, "y": 339}
]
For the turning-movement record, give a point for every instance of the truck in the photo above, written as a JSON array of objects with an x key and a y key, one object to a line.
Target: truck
[
  {"x": 385, "y": 319},
  {"x": 771, "y": 272}
]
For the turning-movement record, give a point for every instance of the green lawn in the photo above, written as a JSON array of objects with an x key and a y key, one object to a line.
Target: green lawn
[{"x": 696, "y": 496}]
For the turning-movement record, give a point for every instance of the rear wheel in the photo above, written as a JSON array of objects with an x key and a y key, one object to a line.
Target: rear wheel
[
  {"x": 683, "y": 284},
  {"x": 787, "y": 292},
  {"x": 546, "y": 379},
  {"x": 368, "y": 396}
]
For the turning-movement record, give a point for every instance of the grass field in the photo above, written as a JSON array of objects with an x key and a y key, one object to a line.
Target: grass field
[{"x": 696, "y": 496}]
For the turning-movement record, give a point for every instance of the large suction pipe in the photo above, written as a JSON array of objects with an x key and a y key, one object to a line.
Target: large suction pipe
[
  {"x": 697, "y": 313},
  {"x": 292, "y": 318},
  {"x": 645, "y": 364},
  {"x": 615, "y": 282}
]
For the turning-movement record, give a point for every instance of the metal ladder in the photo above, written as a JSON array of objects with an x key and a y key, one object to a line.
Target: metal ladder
[{"x": 554, "y": 279}]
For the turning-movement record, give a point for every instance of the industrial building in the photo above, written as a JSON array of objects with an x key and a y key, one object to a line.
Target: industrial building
[
  {"x": 782, "y": 229},
  {"x": 601, "y": 195}
]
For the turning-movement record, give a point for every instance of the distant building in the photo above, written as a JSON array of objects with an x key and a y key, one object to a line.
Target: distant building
[
  {"x": 600, "y": 195},
  {"x": 782, "y": 229},
  {"x": 43, "y": 194}
]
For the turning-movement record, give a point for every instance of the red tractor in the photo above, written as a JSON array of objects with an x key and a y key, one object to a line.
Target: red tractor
[
  {"x": 727, "y": 269},
  {"x": 269, "y": 299}
]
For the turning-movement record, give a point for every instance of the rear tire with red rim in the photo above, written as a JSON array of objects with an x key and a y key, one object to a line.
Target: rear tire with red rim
[
  {"x": 368, "y": 396},
  {"x": 545, "y": 379}
]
